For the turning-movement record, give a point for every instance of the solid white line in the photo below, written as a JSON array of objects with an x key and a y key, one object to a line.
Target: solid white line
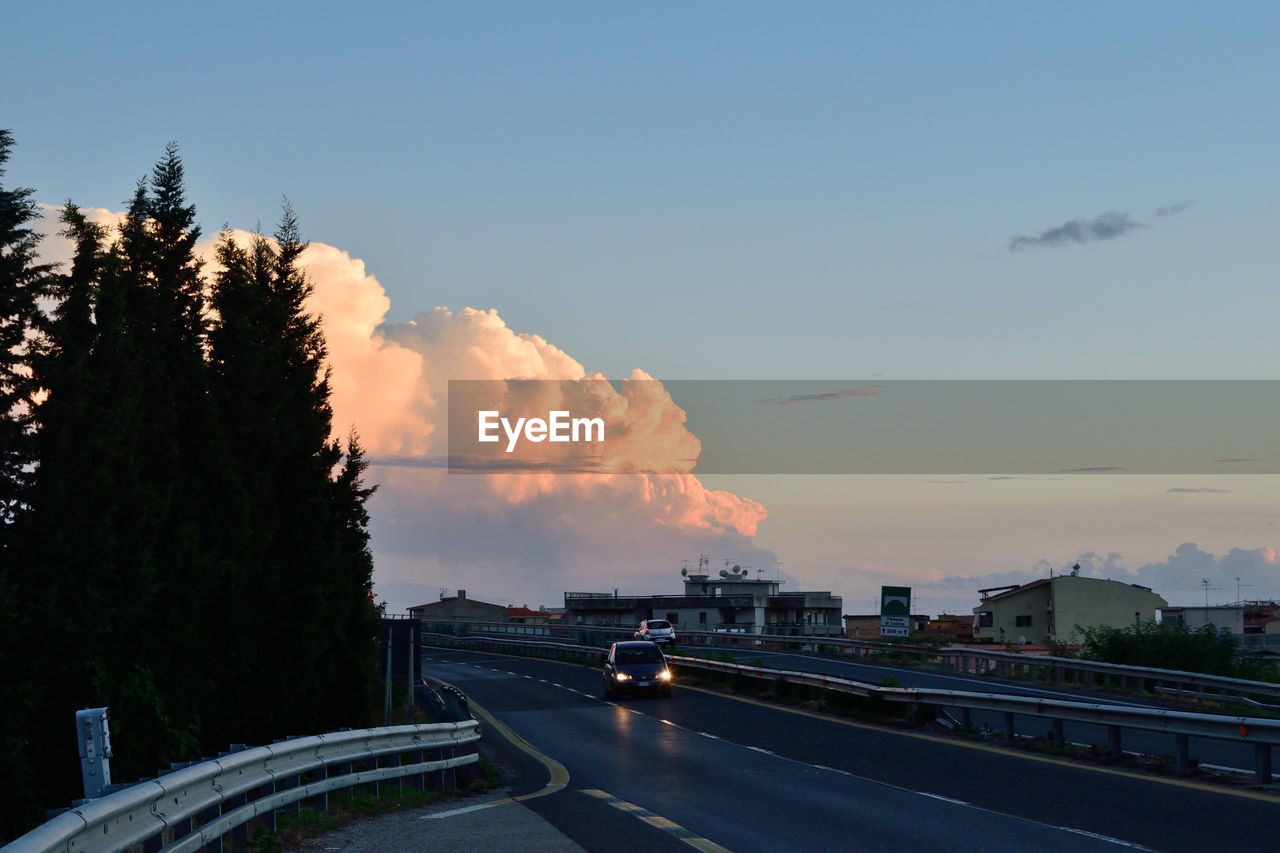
[
  {"x": 760, "y": 749},
  {"x": 832, "y": 769},
  {"x": 708, "y": 734},
  {"x": 1107, "y": 838},
  {"x": 464, "y": 810},
  {"x": 940, "y": 797}
]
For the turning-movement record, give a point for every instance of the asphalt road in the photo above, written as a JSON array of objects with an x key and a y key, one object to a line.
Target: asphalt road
[{"x": 707, "y": 769}]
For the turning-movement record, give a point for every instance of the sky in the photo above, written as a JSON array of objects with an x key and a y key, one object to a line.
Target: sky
[{"x": 751, "y": 191}]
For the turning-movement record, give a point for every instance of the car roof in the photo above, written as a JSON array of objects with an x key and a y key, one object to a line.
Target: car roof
[{"x": 634, "y": 644}]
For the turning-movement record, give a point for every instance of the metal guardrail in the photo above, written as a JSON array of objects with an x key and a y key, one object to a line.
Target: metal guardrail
[
  {"x": 1260, "y": 733},
  {"x": 192, "y": 808},
  {"x": 1004, "y": 664}
]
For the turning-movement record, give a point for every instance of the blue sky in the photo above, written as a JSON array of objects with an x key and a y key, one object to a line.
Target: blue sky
[{"x": 727, "y": 190}]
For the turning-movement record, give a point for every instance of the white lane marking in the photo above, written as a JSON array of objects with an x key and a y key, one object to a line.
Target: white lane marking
[
  {"x": 463, "y": 810},
  {"x": 710, "y": 735},
  {"x": 1107, "y": 838},
  {"x": 832, "y": 769},
  {"x": 761, "y": 749},
  {"x": 940, "y": 797}
]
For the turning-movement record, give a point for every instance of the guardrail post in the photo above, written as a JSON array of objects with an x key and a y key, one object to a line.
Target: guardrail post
[
  {"x": 966, "y": 719},
  {"x": 268, "y": 817},
  {"x": 418, "y": 781},
  {"x": 1008, "y": 727},
  {"x": 1059, "y": 740},
  {"x": 207, "y": 816},
  {"x": 1184, "y": 752},
  {"x": 445, "y": 778},
  {"x": 397, "y": 784},
  {"x": 1114, "y": 741},
  {"x": 1262, "y": 763},
  {"x": 239, "y": 834}
]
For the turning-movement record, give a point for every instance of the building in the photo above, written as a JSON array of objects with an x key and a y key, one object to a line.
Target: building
[
  {"x": 458, "y": 608},
  {"x": 951, "y": 627},
  {"x": 1261, "y": 617},
  {"x": 1229, "y": 616},
  {"x": 732, "y": 602},
  {"x": 1057, "y": 609},
  {"x": 525, "y": 616}
]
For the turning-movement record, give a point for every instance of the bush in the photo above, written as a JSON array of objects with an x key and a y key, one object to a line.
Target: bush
[{"x": 1207, "y": 649}]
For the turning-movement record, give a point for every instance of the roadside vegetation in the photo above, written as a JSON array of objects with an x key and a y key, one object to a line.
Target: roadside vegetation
[{"x": 1206, "y": 649}]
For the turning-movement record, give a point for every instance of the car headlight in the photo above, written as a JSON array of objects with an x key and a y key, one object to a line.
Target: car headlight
[
  {"x": 621, "y": 676},
  {"x": 665, "y": 675}
]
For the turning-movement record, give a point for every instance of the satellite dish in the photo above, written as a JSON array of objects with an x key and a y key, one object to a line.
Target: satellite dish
[
  {"x": 737, "y": 569},
  {"x": 684, "y": 573},
  {"x": 723, "y": 573}
]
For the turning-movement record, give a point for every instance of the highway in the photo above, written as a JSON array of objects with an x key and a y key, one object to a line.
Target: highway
[{"x": 708, "y": 769}]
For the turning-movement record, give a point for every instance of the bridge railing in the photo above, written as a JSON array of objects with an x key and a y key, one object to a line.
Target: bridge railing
[
  {"x": 193, "y": 808},
  {"x": 1260, "y": 733}
]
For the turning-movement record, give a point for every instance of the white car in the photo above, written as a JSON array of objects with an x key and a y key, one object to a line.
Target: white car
[{"x": 656, "y": 631}]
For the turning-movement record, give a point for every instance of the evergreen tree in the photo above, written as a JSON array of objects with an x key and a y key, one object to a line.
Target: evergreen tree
[
  {"x": 22, "y": 279},
  {"x": 193, "y": 546}
]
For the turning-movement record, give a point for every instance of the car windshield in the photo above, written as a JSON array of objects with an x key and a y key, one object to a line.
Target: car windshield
[
  {"x": 649, "y": 655},
  {"x": 659, "y": 623}
]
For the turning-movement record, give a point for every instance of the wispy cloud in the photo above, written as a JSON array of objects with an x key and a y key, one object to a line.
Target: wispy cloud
[
  {"x": 863, "y": 391},
  {"x": 1172, "y": 209},
  {"x": 1107, "y": 226},
  {"x": 1199, "y": 491},
  {"x": 1091, "y": 470},
  {"x": 1230, "y": 459}
]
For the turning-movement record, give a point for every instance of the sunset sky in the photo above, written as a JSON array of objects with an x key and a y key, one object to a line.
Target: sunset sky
[{"x": 827, "y": 191}]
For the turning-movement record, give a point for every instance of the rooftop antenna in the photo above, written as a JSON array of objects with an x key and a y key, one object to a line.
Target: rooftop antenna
[
  {"x": 1239, "y": 600},
  {"x": 1205, "y": 583}
]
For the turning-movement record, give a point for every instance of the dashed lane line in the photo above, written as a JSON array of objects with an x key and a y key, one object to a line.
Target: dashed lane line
[{"x": 657, "y": 821}]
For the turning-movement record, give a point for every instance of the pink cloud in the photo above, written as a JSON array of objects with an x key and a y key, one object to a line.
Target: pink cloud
[{"x": 527, "y": 537}]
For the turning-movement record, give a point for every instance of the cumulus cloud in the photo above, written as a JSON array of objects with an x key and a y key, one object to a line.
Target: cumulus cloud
[{"x": 525, "y": 537}]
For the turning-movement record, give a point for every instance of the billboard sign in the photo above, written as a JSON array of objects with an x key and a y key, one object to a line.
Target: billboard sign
[{"x": 895, "y": 611}]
